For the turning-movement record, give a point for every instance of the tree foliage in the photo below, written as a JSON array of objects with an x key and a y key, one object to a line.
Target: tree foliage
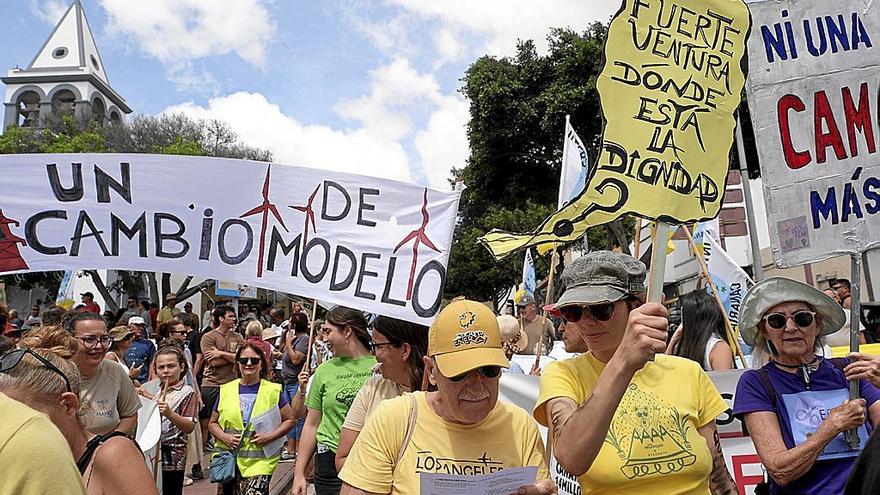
[
  {"x": 174, "y": 134},
  {"x": 518, "y": 106}
]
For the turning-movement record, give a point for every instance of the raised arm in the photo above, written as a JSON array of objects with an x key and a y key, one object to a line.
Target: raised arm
[{"x": 579, "y": 430}]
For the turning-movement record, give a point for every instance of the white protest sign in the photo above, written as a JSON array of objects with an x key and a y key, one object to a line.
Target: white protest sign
[
  {"x": 739, "y": 453},
  {"x": 374, "y": 244},
  {"x": 813, "y": 95}
]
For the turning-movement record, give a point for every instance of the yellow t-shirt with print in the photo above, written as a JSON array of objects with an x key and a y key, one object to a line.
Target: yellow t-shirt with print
[
  {"x": 652, "y": 445},
  {"x": 507, "y": 438}
]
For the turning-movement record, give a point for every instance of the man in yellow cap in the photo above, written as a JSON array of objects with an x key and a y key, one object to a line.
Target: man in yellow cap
[{"x": 460, "y": 428}]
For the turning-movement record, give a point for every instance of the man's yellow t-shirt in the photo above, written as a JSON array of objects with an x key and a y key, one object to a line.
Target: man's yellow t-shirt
[
  {"x": 34, "y": 456},
  {"x": 507, "y": 438},
  {"x": 652, "y": 445}
]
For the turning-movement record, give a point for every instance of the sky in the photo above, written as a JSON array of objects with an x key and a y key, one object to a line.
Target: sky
[{"x": 370, "y": 87}]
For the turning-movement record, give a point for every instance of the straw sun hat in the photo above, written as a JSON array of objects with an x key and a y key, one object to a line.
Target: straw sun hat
[{"x": 777, "y": 290}]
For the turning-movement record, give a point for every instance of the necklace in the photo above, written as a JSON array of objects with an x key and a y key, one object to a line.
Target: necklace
[{"x": 805, "y": 369}]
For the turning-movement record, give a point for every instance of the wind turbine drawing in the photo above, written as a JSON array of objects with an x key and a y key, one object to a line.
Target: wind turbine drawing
[
  {"x": 420, "y": 238},
  {"x": 310, "y": 216},
  {"x": 265, "y": 208}
]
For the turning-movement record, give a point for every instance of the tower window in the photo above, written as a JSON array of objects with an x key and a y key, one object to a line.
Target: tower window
[
  {"x": 59, "y": 52},
  {"x": 28, "y": 109},
  {"x": 63, "y": 102},
  {"x": 98, "y": 111},
  {"x": 94, "y": 62}
]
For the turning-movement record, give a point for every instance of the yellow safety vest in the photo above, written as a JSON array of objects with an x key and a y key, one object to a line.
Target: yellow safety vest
[{"x": 251, "y": 459}]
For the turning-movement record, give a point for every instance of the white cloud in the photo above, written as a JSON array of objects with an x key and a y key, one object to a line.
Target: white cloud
[
  {"x": 261, "y": 123},
  {"x": 464, "y": 29},
  {"x": 175, "y": 31},
  {"x": 443, "y": 143},
  {"x": 49, "y": 11},
  {"x": 396, "y": 90},
  {"x": 508, "y": 20}
]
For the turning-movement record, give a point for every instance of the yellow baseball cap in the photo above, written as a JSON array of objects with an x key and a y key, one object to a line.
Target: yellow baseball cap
[{"x": 465, "y": 336}]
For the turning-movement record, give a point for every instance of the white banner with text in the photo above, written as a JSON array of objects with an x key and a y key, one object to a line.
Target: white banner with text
[{"x": 373, "y": 244}]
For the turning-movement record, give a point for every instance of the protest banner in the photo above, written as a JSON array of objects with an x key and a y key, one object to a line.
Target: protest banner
[
  {"x": 814, "y": 76},
  {"x": 739, "y": 452},
  {"x": 370, "y": 243},
  {"x": 672, "y": 78}
]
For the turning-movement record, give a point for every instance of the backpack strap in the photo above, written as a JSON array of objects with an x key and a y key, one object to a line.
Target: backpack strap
[
  {"x": 768, "y": 386},
  {"x": 410, "y": 427},
  {"x": 83, "y": 462}
]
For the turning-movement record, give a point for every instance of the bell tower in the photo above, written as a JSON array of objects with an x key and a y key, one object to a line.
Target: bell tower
[{"x": 66, "y": 77}]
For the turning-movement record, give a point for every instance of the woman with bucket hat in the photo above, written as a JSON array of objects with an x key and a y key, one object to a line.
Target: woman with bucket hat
[
  {"x": 624, "y": 417},
  {"x": 796, "y": 406}
]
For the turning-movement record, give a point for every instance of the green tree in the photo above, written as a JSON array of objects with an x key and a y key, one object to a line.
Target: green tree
[{"x": 518, "y": 106}]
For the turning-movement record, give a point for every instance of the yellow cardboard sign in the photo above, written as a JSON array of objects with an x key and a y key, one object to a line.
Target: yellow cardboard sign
[{"x": 672, "y": 79}]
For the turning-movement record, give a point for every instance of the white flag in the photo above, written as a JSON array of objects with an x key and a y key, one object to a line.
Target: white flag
[
  {"x": 730, "y": 280},
  {"x": 711, "y": 227},
  {"x": 528, "y": 275},
  {"x": 575, "y": 166}
]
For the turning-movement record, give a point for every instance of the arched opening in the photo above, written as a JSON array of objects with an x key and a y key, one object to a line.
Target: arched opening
[
  {"x": 99, "y": 113},
  {"x": 63, "y": 102},
  {"x": 29, "y": 109},
  {"x": 114, "y": 117}
]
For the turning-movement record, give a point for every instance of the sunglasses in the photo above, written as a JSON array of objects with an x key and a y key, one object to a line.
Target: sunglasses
[
  {"x": 487, "y": 371},
  {"x": 249, "y": 361},
  {"x": 601, "y": 312},
  {"x": 12, "y": 359},
  {"x": 802, "y": 319}
]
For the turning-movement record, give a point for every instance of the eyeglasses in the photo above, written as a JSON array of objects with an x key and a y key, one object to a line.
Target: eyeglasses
[
  {"x": 802, "y": 319},
  {"x": 12, "y": 359},
  {"x": 249, "y": 361},
  {"x": 487, "y": 371},
  {"x": 375, "y": 345},
  {"x": 92, "y": 341},
  {"x": 601, "y": 312}
]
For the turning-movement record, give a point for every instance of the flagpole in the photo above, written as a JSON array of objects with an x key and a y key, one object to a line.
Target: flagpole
[
  {"x": 851, "y": 436},
  {"x": 728, "y": 328},
  {"x": 757, "y": 260},
  {"x": 637, "y": 242},
  {"x": 548, "y": 298}
]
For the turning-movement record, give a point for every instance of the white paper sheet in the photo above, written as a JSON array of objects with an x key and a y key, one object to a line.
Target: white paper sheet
[
  {"x": 266, "y": 423},
  {"x": 502, "y": 482}
]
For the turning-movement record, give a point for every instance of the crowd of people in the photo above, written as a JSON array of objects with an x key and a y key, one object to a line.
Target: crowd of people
[{"x": 374, "y": 401}]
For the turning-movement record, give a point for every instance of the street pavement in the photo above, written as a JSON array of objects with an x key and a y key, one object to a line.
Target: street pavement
[{"x": 279, "y": 485}]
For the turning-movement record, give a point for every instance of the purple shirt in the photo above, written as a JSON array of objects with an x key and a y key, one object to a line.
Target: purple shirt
[
  {"x": 800, "y": 412},
  {"x": 247, "y": 396}
]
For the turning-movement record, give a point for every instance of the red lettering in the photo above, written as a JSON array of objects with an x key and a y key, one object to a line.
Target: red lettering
[
  {"x": 858, "y": 119},
  {"x": 793, "y": 158},
  {"x": 822, "y": 113},
  {"x": 741, "y": 480}
]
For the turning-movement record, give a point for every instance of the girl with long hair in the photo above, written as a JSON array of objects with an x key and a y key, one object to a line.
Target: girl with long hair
[
  {"x": 332, "y": 389},
  {"x": 400, "y": 348},
  {"x": 700, "y": 337}
]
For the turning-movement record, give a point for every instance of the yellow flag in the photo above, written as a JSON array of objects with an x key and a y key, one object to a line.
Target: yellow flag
[{"x": 671, "y": 81}]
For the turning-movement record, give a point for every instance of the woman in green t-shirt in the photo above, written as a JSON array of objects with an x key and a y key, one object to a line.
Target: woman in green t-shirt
[{"x": 331, "y": 392}]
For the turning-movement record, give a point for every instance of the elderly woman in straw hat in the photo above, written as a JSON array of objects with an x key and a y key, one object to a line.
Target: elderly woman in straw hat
[{"x": 796, "y": 407}]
